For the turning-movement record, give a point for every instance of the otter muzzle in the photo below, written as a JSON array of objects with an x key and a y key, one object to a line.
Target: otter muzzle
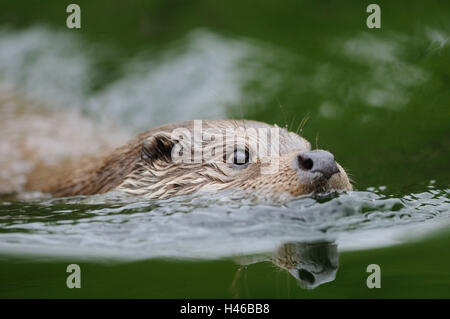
[{"x": 317, "y": 161}]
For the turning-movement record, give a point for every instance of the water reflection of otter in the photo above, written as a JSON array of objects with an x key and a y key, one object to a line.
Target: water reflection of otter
[{"x": 312, "y": 264}]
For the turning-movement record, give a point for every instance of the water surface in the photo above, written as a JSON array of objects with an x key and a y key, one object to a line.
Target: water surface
[{"x": 377, "y": 99}]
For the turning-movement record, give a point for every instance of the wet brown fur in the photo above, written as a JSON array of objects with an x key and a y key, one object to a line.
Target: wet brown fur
[{"x": 124, "y": 168}]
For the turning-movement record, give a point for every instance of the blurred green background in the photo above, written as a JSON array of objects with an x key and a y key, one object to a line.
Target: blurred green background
[
  {"x": 402, "y": 147},
  {"x": 379, "y": 99}
]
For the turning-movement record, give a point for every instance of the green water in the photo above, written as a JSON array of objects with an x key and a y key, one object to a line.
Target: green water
[
  {"x": 404, "y": 275},
  {"x": 379, "y": 99}
]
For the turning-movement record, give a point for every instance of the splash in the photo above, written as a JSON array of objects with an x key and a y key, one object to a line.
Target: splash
[
  {"x": 49, "y": 112},
  {"x": 217, "y": 226},
  {"x": 199, "y": 76}
]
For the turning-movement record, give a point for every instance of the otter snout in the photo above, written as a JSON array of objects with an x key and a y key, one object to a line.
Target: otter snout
[{"x": 317, "y": 161}]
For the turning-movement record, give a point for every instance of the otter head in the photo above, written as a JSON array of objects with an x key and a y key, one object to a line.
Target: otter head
[{"x": 210, "y": 156}]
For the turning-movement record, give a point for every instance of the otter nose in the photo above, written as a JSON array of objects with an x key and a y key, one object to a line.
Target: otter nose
[{"x": 318, "y": 161}]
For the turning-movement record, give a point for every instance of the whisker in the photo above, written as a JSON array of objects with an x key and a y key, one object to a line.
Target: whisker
[
  {"x": 302, "y": 123},
  {"x": 293, "y": 121},
  {"x": 284, "y": 114}
]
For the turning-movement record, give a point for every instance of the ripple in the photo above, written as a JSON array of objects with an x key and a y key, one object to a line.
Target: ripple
[{"x": 199, "y": 226}]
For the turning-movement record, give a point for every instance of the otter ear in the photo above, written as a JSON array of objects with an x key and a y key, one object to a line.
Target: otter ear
[{"x": 157, "y": 147}]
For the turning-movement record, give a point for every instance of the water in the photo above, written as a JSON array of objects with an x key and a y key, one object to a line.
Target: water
[
  {"x": 210, "y": 227},
  {"x": 377, "y": 99}
]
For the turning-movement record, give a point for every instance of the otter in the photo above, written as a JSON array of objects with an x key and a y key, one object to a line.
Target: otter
[{"x": 200, "y": 156}]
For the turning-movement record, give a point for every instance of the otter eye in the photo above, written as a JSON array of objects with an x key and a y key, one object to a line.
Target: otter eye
[{"x": 241, "y": 157}]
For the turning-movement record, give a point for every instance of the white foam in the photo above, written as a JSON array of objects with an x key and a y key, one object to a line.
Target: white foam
[
  {"x": 49, "y": 109},
  {"x": 196, "y": 77}
]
